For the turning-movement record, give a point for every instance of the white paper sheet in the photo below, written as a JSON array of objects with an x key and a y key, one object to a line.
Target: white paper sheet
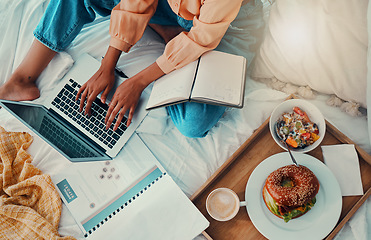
[{"x": 343, "y": 161}]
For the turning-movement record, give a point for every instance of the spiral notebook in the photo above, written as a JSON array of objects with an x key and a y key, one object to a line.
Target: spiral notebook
[{"x": 130, "y": 197}]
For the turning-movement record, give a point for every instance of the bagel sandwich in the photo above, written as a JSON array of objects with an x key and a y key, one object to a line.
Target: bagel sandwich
[{"x": 290, "y": 191}]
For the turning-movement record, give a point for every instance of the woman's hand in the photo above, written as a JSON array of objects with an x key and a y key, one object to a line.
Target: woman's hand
[
  {"x": 128, "y": 93},
  {"x": 125, "y": 98},
  {"x": 102, "y": 81}
]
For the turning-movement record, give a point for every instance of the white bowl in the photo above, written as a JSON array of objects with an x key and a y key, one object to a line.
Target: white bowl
[{"x": 313, "y": 113}]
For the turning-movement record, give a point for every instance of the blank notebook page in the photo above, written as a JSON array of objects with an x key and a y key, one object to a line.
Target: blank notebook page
[
  {"x": 220, "y": 77},
  {"x": 174, "y": 86}
]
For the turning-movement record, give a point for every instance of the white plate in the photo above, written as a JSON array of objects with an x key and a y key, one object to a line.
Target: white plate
[{"x": 315, "y": 224}]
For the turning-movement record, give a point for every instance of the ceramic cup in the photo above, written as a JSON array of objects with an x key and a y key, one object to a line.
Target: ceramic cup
[{"x": 223, "y": 204}]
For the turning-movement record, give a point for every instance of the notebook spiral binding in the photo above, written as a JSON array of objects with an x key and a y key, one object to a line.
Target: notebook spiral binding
[{"x": 123, "y": 206}]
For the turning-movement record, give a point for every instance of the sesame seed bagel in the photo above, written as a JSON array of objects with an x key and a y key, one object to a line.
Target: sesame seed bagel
[{"x": 292, "y": 186}]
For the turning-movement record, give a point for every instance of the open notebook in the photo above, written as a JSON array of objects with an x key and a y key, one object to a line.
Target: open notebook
[
  {"x": 215, "y": 78},
  {"x": 130, "y": 197}
]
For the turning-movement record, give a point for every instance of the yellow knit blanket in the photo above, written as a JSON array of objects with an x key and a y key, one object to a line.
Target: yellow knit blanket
[{"x": 30, "y": 207}]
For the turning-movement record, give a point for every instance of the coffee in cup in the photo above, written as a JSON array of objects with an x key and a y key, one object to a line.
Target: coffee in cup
[{"x": 223, "y": 204}]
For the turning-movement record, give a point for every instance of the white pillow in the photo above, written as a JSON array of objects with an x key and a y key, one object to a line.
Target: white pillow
[{"x": 318, "y": 43}]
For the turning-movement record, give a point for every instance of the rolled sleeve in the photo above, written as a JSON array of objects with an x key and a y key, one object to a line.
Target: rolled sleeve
[
  {"x": 208, "y": 29},
  {"x": 119, "y": 44},
  {"x": 129, "y": 19}
]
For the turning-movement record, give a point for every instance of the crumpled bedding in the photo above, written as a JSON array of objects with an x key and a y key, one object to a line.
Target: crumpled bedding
[
  {"x": 190, "y": 162},
  {"x": 30, "y": 207}
]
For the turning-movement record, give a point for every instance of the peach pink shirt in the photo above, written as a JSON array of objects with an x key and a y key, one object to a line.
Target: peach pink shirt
[{"x": 211, "y": 19}]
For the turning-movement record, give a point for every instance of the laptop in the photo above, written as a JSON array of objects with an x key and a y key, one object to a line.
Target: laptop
[{"x": 76, "y": 136}]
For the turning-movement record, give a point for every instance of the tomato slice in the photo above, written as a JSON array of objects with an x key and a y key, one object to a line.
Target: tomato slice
[
  {"x": 298, "y": 111},
  {"x": 301, "y": 113},
  {"x": 306, "y": 136}
]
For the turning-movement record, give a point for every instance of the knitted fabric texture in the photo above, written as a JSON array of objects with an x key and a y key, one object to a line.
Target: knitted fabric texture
[{"x": 30, "y": 207}]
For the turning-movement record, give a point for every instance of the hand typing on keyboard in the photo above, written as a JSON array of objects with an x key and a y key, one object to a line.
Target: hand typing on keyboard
[
  {"x": 125, "y": 99},
  {"x": 93, "y": 124},
  {"x": 102, "y": 81},
  {"x": 126, "y": 96}
]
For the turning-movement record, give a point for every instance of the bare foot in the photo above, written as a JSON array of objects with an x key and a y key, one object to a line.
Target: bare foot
[
  {"x": 19, "y": 89},
  {"x": 21, "y": 85}
]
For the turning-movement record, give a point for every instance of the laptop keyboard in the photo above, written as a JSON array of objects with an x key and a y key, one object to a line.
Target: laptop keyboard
[
  {"x": 94, "y": 124},
  {"x": 61, "y": 138}
]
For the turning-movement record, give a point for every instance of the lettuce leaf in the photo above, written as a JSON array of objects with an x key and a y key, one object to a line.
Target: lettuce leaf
[
  {"x": 271, "y": 203},
  {"x": 273, "y": 207},
  {"x": 296, "y": 212}
]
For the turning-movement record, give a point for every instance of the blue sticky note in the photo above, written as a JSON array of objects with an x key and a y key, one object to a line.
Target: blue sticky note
[{"x": 67, "y": 191}]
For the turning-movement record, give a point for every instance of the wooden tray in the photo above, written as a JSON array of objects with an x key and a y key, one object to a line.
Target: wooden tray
[{"x": 235, "y": 172}]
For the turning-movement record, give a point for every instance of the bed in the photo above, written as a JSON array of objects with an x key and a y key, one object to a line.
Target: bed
[{"x": 190, "y": 162}]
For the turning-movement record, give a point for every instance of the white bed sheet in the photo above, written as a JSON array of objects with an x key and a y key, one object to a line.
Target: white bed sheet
[{"x": 189, "y": 161}]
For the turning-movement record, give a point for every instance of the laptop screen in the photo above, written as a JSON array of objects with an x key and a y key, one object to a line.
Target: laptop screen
[{"x": 52, "y": 130}]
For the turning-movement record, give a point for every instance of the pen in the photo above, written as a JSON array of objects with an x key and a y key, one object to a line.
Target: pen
[{"x": 119, "y": 72}]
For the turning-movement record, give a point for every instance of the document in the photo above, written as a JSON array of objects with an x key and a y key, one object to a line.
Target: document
[{"x": 130, "y": 197}]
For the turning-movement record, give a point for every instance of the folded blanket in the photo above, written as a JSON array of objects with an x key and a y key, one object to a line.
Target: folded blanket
[{"x": 30, "y": 207}]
